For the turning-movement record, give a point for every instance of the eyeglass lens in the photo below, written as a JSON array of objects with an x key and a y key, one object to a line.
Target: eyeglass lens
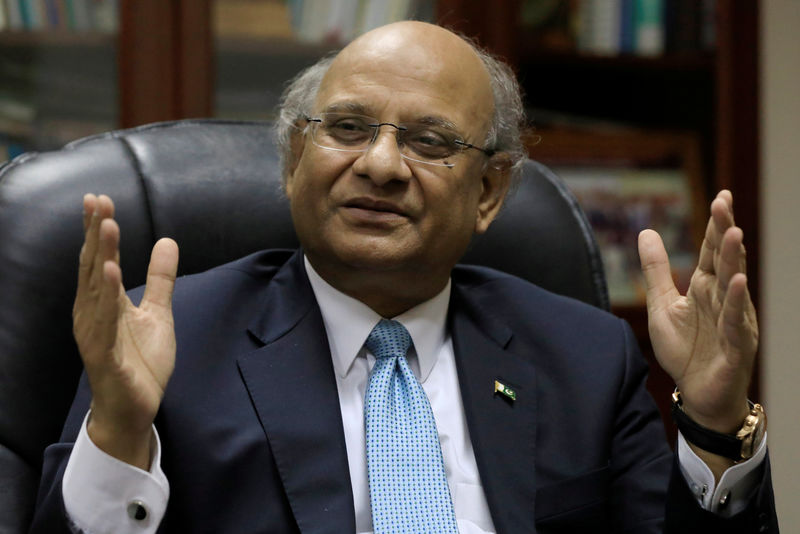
[{"x": 348, "y": 132}]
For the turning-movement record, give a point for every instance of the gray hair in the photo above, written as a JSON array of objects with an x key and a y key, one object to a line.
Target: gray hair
[{"x": 504, "y": 135}]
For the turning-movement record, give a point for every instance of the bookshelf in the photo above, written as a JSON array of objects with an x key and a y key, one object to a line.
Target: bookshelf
[
  {"x": 167, "y": 62},
  {"x": 57, "y": 73},
  {"x": 253, "y": 61},
  {"x": 707, "y": 92}
]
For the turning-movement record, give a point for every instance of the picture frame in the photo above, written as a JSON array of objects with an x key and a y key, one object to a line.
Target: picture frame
[{"x": 627, "y": 180}]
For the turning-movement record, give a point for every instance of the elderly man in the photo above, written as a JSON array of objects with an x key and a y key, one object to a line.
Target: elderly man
[{"x": 344, "y": 388}]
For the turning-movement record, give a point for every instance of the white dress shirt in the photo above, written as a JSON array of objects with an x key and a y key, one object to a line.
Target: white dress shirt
[{"x": 99, "y": 490}]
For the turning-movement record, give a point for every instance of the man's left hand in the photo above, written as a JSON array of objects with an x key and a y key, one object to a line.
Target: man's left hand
[{"x": 707, "y": 339}]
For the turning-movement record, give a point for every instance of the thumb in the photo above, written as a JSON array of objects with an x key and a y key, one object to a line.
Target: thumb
[
  {"x": 161, "y": 274},
  {"x": 659, "y": 286}
]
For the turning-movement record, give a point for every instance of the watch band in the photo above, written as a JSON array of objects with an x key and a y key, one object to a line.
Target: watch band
[{"x": 727, "y": 445}]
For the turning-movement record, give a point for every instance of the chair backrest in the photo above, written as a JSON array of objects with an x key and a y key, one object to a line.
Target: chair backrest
[{"x": 214, "y": 186}]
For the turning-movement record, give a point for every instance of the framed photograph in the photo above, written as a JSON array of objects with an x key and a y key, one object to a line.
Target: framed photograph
[{"x": 627, "y": 181}]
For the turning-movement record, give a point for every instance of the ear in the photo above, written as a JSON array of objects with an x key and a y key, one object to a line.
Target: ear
[
  {"x": 297, "y": 143},
  {"x": 494, "y": 187}
]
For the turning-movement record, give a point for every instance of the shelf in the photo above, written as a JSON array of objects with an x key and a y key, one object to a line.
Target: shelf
[
  {"x": 50, "y": 38},
  {"x": 676, "y": 62},
  {"x": 274, "y": 47}
]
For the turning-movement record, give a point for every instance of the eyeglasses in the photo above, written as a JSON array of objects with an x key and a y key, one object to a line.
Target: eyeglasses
[{"x": 419, "y": 142}]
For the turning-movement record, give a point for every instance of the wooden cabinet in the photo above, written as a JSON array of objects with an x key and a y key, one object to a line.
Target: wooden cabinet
[{"x": 168, "y": 63}]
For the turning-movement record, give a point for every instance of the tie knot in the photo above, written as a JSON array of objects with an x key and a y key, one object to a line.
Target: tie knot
[{"x": 388, "y": 339}]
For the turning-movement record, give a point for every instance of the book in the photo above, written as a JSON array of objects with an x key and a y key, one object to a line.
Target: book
[
  {"x": 81, "y": 15},
  {"x": 649, "y": 26},
  {"x": 252, "y": 19},
  {"x": 25, "y": 14},
  {"x": 37, "y": 14},
  {"x": 627, "y": 37},
  {"x": 599, "y": 26},
  {"x": 313, "y": 20},
  {"x": 341, "y": 24},
  {"x": 14, "y": 15},
  {"x": 52, "y": 16},
  {"x": 104, "y": 15}
]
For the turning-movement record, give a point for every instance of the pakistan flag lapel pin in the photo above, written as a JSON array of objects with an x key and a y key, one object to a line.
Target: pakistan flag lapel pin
[{"x": 503, "y": 389}]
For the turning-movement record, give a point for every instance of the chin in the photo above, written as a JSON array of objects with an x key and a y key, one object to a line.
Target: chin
[{"x": 370, "y": 255}]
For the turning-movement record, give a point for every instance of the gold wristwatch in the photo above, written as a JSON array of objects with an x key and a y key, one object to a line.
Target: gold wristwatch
[{"x": 738, "y": 447}]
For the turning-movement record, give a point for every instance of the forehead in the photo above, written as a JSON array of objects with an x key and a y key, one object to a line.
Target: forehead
[{"x": 407, "y": 75}]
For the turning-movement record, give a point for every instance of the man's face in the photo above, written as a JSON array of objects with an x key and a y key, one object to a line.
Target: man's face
[{"x": 375, "y": 211}]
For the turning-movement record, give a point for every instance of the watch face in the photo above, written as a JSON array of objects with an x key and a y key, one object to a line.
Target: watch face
[{"x": 752, "y": 432}]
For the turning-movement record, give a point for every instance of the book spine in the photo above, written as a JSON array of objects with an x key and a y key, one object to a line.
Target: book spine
[
  {"x": 627, "y": 40},
  {"x": 649, "y": 24},
  {"x": 14, "y": 15},
  {"x": 38, "y": 14},
  {"x": 708, "y": 24},
  {"x": 104, "y": 15},
  {"x": 51, "y": 14},
  {"x": 81, "y": 15},
  {"x": 25, "y": 14},
  {"x": 606, "y": 20}
]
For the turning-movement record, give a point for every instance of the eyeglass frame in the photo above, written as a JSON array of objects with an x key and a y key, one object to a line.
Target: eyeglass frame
[{"x": 463, "y": 145}]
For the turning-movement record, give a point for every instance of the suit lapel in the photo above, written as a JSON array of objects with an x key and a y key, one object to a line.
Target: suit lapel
[
  {"x": 502, "y": 431},
  {"x": 293, "y": 388}
]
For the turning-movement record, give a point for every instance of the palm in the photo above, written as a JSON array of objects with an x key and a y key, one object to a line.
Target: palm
[{"x": 143, "y": 357}]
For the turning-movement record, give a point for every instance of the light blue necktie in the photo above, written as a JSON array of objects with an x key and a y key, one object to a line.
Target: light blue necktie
[{"x": 407, "y": 486}]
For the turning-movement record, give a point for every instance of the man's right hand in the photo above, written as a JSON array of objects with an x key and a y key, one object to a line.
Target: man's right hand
[{"x": 128, "y": 351}]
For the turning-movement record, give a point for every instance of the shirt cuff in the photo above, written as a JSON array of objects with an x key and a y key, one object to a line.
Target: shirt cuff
[
  {"x": 736, "y": 485},
  {"x": 103, "y": 494}
]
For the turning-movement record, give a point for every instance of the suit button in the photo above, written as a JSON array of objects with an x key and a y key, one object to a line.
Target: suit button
[{"x": 137, "y": 510}]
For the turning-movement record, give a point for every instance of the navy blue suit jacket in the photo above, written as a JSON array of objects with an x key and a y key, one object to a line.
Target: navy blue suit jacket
[{"x": 252, "y": 437}]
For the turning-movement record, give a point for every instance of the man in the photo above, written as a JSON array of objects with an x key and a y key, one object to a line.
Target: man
[{"x": 398, "y": 151}]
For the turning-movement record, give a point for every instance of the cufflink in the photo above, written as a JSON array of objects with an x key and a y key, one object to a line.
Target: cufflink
[
  {"x": 725, "y": 499},
  {"x": 137, "y": 511}
]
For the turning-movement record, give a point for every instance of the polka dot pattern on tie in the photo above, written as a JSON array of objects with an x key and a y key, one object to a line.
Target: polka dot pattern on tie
[{"x": 407, "y": 484}]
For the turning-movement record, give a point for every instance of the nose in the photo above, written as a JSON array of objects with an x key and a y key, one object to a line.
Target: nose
[{"x": 382, "y": 162}]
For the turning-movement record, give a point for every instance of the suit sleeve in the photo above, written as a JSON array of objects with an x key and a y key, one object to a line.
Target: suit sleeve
[
  {"x": 640, "y": 476},
  {"x": 50, "y": 515},
  {"x": 58, "y": 506}
]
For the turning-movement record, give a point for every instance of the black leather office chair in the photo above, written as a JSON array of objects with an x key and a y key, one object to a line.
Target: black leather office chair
[{"x": 214, "y": 186}]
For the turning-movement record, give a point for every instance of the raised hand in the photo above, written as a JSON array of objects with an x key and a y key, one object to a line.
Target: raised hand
[
  {"x": 707, "y": 339},
  {"x": 128, "y": 352}
]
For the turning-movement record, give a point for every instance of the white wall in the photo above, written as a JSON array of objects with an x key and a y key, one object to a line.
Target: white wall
[{"x": 780, "y": 248}]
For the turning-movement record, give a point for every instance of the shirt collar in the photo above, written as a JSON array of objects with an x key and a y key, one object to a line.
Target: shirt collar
[{"x": 348, "y": 322}]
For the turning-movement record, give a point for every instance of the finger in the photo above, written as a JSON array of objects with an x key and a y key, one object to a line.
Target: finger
[
  {"x": 660, "y": 289},
  {"x": 107, "y": 250},
  {"x": 161, "y": 274},
  {"x": 738, "y": 318},
  {"x": 107, "y": 312},
  {"x": 89, "y": 203},
  {"x": 96, "y": 210},
  {"x": 731, "y": 259},
  {"x": 720, "y": 220}
]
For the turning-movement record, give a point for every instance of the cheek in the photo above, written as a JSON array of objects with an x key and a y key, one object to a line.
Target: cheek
[{"x": 455, "y": 207}]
